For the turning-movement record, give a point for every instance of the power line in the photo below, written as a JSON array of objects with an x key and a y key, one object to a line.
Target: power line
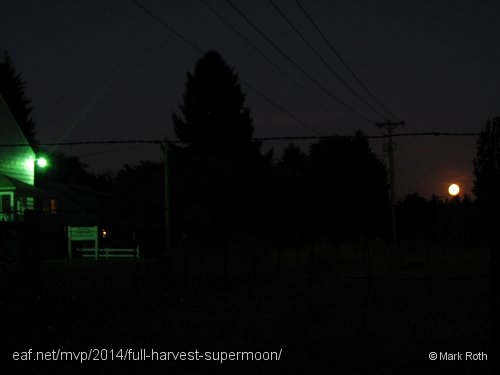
[
  {"x": 383, "y": 136},
  {"x": 323, "y": 60},
  {"x": 300, "y": 68},
  {"x": 342, "y": 60},
  {"x": 199, "y": 49},
  {"x": 166, "y": 25},
  {"x": 274, "y": 64},
  {"x": 121, "y": 149},
  {"x": 411, "y": 186},
  {"x": 435, "y": 134},
  {"x": 418, "y": 168},
  {"x": 302, "y": 122},
  {"x": 280, "y": 138}
]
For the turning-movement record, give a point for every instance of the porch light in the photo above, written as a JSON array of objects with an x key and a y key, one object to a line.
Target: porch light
[{"x": 41, "y": 162}]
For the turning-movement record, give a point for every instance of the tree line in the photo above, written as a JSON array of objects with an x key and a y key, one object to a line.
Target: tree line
[{"x": 221, "y": 183}]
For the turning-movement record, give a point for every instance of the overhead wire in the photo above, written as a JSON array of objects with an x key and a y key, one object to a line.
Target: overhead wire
[
  {"x": 303, "y": 123},
  {"x": 409, "y": 185},
  {"x": 166, "y": 25},
  {"x": 363, "y": 86},
  {"x": 300, "y": 121},
  {"x": 275, "y": 65},
  {"x": 323, "y": 60},
  {"x": 121, "y": 149},
  {"x": 416, "y": 163},
  {"x": 163, "y": 141},
  {"x": 297, "y": 66},
  {"x": 141, "y": 143},
  {"x": 415, "y": 181},
  {"x": 344, "y": 62},
  {"x": 247, "y": 84}
]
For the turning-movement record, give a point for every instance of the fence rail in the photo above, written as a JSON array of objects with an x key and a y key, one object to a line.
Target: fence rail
[{"x": 110, "y": 252}]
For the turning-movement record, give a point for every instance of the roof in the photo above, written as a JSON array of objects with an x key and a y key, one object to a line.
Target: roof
[
  {"x": 17, "y": 161},
  {"x": 9, "y": 183},
  {"x": 10, "y": 132}
]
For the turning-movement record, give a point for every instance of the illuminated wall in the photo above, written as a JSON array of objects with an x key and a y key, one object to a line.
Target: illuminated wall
[{"x": 15, "y": 162}]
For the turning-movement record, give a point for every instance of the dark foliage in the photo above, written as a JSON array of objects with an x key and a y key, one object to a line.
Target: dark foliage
[
  {"x": 487, "y": 163},
  {"x": 414, "y": 217},
  {"x": 217, "y": 174},
  {"x": 487, "y": 176},
  {"x": 13, "y": 90},
  {"x": 69, "y": 169},
  {"x": 138, "y": 204},
  {"x": 62, "y": 168},
  {"x": 290, "y": 187},
  {"x": 439, "y": 220},
  {"x": 338, "y": 189},
  {"x": 346, "y": 191}
]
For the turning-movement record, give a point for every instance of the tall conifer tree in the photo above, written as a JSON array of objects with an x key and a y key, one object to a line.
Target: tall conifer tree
[
  {"x": 219, "y": 161},
  {"x": 13, "y": 90},
  {"x": 487, "y": 163}
]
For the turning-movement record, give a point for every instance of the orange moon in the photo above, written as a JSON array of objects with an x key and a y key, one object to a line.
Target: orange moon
[{"x": 453, "y": 189}]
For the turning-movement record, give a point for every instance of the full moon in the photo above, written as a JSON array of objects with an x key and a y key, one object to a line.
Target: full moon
[{"x": 453, "y": 189}]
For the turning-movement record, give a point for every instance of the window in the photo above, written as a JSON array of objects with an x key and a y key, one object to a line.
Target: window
[
  {"x": 50, "y": 206},
  {"x": 6, "y": 212},
  {"x": 6, "y": 203}
]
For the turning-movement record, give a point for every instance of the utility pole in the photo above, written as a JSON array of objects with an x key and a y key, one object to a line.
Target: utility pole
[
  {"x": 389, "y": 148},
  {"x": 493, "y": 217},
  {"x": 164, "y": 147}
]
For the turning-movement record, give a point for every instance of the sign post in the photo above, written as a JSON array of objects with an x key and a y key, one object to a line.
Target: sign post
[{"x": 83, "y": 234}]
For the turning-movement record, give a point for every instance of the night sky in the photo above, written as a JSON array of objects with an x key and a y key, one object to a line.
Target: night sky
[{"x": 106, "y": 70}]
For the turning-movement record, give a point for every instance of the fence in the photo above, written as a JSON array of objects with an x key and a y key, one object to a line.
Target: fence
[
  {"x": 110, "y": 253},
  {"x": 20, "y": 255},
  {"x": 359, "y": 305}
]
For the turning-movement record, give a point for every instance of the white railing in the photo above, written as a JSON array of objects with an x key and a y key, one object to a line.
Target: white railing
[{"x": 109, "y": 253}]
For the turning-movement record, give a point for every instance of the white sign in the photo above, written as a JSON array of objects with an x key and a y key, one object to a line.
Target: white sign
[{"x": 82, "y": 233}]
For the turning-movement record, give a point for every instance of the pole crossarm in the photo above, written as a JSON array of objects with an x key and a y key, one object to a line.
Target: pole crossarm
[{"x": 390, "y": 125}]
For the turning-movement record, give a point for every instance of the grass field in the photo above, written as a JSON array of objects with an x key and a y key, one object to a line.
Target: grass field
[{"x": 359, "y": 308}]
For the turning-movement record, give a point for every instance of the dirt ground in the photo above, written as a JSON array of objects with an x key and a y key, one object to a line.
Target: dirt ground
[{"x": 342, "y": 313}]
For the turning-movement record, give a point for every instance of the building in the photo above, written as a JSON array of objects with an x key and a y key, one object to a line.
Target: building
[
  {"x": 17, "y": 169},
  {"x": 55, "y": 205},
  {"x": 66, "y": 204}
]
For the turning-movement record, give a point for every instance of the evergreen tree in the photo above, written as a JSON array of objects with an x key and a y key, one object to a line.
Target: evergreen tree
[
  {"x": 290, "y": 190},
  {"x": 138, "y": 203},
  {"x": 347, "y": 188},
  {"x": 487, "y": 163},
  {"x": 292, "y": 162},
  {"x": 216, "y": 172},
  {"x": 414, "y": 216},
  {"x": 13, "y": 90},
  {"x": 487, "y": 177}
]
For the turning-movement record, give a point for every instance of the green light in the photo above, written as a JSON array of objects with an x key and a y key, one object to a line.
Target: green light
[{"x": 41, "y": 162}]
